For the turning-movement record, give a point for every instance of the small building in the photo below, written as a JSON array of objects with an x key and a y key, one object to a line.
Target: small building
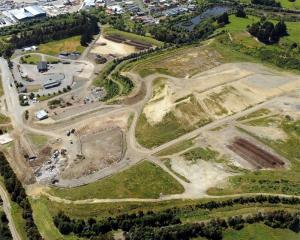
[
  {"x": 52, "y": 84},
  {"x": 42, "y": 66},
  {"x": 41, "y": 115},
  {"x": 29, "y": 49}
]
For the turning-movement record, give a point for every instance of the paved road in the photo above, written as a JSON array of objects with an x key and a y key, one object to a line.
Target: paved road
[{"x": 7, "y": 210}]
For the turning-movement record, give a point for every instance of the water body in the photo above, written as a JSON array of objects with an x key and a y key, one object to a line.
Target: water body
[{"x": 211, "y": 12}]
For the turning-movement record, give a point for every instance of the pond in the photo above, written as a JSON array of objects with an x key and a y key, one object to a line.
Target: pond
[{"x": 211, "y": 12}]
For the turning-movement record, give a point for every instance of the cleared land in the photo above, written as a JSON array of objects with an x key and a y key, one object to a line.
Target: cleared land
[
  {"x": 144, "y": 180},
  {"x": 257, "y": 156}
]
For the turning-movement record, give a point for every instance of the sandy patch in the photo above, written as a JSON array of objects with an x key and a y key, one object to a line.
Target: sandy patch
[
  {"x": 271, "y": 133},
  {"x": 202, "y": 175},
  {"x": 106, "y": 47}
]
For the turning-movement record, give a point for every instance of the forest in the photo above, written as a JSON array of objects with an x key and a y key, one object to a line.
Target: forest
[{"x": 18, "y": 195}]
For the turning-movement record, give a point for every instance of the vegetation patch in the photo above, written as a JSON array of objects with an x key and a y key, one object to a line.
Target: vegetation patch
[
  {"x": 175, "y": 148},
  {"x": 144, "y": 180},
  {"x": 260, "y": 231},
  {"x": 4, "y": 119},
  {"x": 205, "y": 154},
  {"x": 71, "y": 44},
  {"x": 31, "y": 59},
  {"x": 259, "y": 113},
  {"x": 108, "y": 31}
]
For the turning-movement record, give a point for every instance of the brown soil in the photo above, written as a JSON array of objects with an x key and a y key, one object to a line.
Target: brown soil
[{"x": 255, "y": 155}]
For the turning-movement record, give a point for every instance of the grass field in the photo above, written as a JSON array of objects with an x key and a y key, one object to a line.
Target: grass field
[
  {"x": 144, "y": 180},
  {"x": 71, "y": 44},
  {"x": 31, "y": 59},
  {"x": 131, "y": 36},
  {"x": 38, "y": 140},
  {"x": 150, "y": 136},
  {"x": 261, "y": 232}
]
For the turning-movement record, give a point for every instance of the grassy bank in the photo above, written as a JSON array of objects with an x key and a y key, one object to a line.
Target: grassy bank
[
  {"x": 144, "y": 180},
  {"x": 108, "y": 31}
]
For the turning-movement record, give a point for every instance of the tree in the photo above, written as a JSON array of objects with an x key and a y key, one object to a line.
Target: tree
[
  {"x": 223, "y": 19},
  {"x": 240, "y": 12}
]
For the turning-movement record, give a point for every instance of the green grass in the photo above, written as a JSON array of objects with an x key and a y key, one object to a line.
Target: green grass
[
  {"x": 4, "y": 119},
  {"x": 144, "y": 180},
  {"x": 38, "y": 140},
  {"x": 197, "y": 153},
  {"x": 132, "y": 36},
  {"x": 256, "y": 114},
  {"x": 65, "y": 45},
  {"x": 260, "y": 232},
  {"x": 239, "y": 24},
  {"x": 154, "y": 135},
  {"x": 44, "y": 221},
  {"x": 31, "y": 59},
  {"x": 52, "y": 60},
  {"x": 263, "y": 121},
  {"x": 175, "y": 148}
]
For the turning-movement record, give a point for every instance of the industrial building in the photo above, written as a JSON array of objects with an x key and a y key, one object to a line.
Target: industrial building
[
  {"x": 41, "y": 115},
  {"x": 25, "y": 14}
]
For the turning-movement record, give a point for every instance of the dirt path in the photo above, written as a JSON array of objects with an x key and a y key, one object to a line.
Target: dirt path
[{"x": 7, "y": 210}]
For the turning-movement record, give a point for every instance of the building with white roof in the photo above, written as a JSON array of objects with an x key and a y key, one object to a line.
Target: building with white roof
[
  {"x": 25, "y": 14},
  {"x": 41, "y": 115}
]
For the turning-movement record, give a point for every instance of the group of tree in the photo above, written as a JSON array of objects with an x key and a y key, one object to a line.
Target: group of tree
[
  {"x": 125, "y": 222},
  {"x": 18, "y": 195},
  {"x": 267, "y": 32},
  {"x": 214, "y": 229},
  {"x": 165, "y": 223},
  {"x": 223, "y": 19},
  {"x": 5, "y": 233},
  {"x": 240, "y": 12},
  {"x": 49, "y": 29},
  {"x": 270, "y": 3}
]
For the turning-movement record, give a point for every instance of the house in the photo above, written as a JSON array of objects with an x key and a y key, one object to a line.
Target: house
[
  {"x": 41, "y": 115},
  {"x": 42, "y": 66}
]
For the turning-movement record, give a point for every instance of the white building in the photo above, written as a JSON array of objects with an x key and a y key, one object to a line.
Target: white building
[
  {"x": 41, "y": 115},
  {"x": 24, "y": 14}
]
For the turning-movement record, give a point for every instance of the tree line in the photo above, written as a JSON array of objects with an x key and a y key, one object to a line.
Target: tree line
[
  {"x": 5, "y": 233},
  {"x": 18, "y": 195},
  {"x": 271, "y": 3},
  {"x": 267, "y": 32},
  {"x": 214, "y": 229},
  {"x": 50, "y": 29},
  {"x": 150, "y": 222}
]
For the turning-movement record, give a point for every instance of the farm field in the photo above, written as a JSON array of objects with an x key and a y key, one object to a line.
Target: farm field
[
  {"x": 71, "y": 44},
  {"x": 144, "y": 180}
]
